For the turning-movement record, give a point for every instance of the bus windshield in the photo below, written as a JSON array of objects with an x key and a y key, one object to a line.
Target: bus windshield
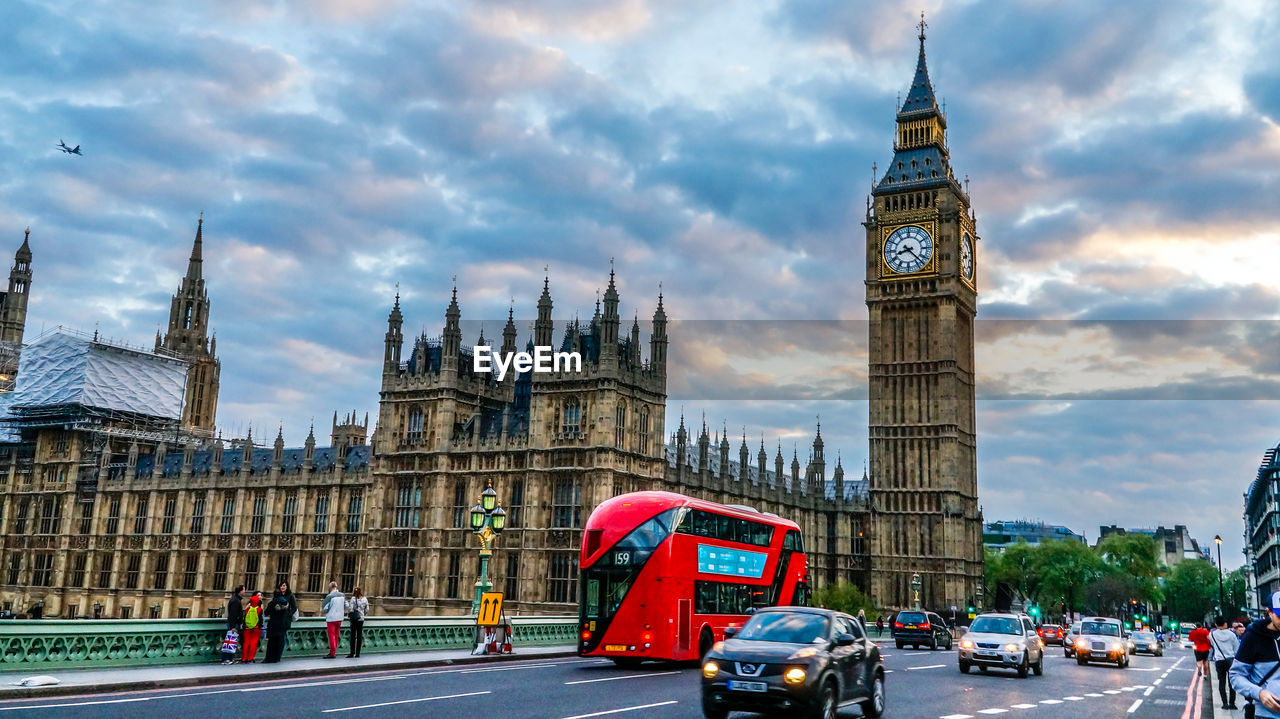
[
  {"x": 607, "y": 581},
  {"x": 786, "y": 627}
]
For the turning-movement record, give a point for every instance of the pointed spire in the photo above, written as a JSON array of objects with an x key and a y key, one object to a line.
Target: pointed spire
[
  {"x": 196, "y": 262},
  {"x": 24, "y": 252},
  {"x": 920, "y": 98}
]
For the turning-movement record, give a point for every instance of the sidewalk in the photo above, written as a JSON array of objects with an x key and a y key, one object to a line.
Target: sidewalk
[{"x": 97, "y": 681}]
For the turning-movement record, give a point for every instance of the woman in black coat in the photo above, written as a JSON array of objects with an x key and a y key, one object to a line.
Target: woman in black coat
[{"x": 279, "y": 613}]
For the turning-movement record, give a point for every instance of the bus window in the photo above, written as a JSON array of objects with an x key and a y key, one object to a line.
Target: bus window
[
  {"x": 732, "y": 529},
  {"x": 792, "y": 541}
]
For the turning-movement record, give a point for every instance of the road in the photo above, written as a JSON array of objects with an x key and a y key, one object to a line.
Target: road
[{"x": 921, "y": 684}]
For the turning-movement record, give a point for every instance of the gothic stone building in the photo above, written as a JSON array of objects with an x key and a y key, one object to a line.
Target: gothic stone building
[{"x": 554, "y": 446}]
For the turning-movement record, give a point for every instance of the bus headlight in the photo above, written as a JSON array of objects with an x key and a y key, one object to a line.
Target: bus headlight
[
  {"x": 794, "y": 675},
  {"x": 710, "y": 670}
]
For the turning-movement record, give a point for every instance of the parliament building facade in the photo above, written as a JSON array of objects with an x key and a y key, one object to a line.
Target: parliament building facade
[{"x": 123, "y": 503}]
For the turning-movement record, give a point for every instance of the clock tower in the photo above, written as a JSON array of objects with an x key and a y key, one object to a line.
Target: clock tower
[{"x": 922, "y": 280}]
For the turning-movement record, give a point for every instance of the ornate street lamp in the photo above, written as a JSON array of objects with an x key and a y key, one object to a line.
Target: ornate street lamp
[
  {"x": 915, "y": 588},
  {"x": 487, "y": 522},
  {"x": 1222, "y": 600}
]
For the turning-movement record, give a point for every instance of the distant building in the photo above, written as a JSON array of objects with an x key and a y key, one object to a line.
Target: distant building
[
  {"x": 1261, "y": 518},
  {"x": 1172, "y": 545},
  {"x": 999, "y": 535}
]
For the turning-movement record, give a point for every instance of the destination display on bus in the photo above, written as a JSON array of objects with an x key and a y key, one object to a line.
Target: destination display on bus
[{"x": 720, "y": 560}]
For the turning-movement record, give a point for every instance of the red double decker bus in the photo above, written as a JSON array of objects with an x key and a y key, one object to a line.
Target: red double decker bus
[{"x": 664, "y": 574}]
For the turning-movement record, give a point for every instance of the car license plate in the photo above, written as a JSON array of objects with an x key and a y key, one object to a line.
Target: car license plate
[
  {"x": 738, "y": 686},
  {"x": 984, "y": 655},
  {"x": 615, "y": 647}
]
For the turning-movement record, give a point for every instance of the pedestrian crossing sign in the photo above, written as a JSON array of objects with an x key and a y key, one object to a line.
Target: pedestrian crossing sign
[{"x": 490, "y": 614}]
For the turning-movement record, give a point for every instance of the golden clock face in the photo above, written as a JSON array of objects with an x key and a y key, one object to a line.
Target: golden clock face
[
  {"x": 908, "y": 249},
  {"x": 966, "y": 257}
]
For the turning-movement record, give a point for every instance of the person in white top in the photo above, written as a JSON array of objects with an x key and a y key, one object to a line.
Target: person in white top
[
  {"x": 335, "y": 607},
  {"x": 1224, "y": 643}
]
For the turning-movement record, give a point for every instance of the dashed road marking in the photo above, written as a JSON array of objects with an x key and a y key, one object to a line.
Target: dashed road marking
[
  {"x": 622, "y": 710},
  {"x": 1050, "y": 701},
  {"x": 957, "y": 716},
  {"x": 992, "y": 711},
  {"x": 404, "y": 701},
  {"x": 1024, "y": 706},
  {"x": 1134, "y": 707},
  {"x": 624, "y": 676},
  {"x": 931, "y": 666}
]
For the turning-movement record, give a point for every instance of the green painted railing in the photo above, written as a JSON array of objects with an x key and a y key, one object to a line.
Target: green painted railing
[{"x": 27, "y": 645}]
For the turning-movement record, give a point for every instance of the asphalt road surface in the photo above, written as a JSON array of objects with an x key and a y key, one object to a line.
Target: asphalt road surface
[{"x": 921, "y": 684}]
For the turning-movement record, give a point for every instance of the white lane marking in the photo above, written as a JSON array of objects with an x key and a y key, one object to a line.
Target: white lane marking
[
  {"x": 1110, "y": 691},
  {"x": 322, "y": 684},
  {"x": 1144, "y": 669},
  {"x": 1147, "y": 693},
  {"x": 1093, "y": 695},
  {"x": 624, "y": 709},
  {"x": 1024, "y": 706},
  {"x": 1157, "y": 682},
  {"x": 1050, "y": 701},
  {"x": 931, "y": 666},
  {"x": 1074, "y": 699},
  {"x": 624, "y": 676},
  {"x": 992, "y": 711},
  {"x": 888, "y": 671},
  {"x": 957, "y": 716},
  {"x": 503, "y": 669},
  {"x": 404, "y": 701},
  {"x": 77, "y": 704},
  {"x": 1126, "y": 689},
  {"x": 1134, "y": 707}
]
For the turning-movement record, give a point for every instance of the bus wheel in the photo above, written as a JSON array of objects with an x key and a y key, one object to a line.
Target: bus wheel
[
  {"x": 704, "y": 643},
  {"x": 626, "y": 662}
]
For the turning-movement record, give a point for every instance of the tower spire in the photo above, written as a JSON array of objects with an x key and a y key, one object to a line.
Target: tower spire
[{"x": 196, "y": 262}]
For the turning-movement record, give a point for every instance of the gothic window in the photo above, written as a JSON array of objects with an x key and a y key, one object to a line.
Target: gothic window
[
  {"x": 77, "y": 570},
  {"x": 415, "y": 425},
  {"x": 161, "y": 575},
  {"x": 284, "y": 564},
  {"x": 322, "y": 513},
  {"x": 42, "y": 569},
  {"x": 170, "y": 513},
  {"x": 220, "y": 562},
  {"x": 50, "y": 515},
  {"x": 289, "y": 522},
  {"x": 511, "y": 583},
  {"x": 401, "y": 579},
  {"x": 113, "y": 515},
  {"x": 140, "y": 515},
  {"x": 348, "y": 576},
  {"x": 15, "y": 567},
  {"x": 515, "y": 504},
  {"x": 460, "y": 503},
  {"x": 408, "y": 502},
  {"x": 620, "y": 426},
  {"x": 643, "y": 440},
  {"x": 251, "y": 570},
  {"x": 571, "y": 417},
  {"x": 566, "y": 509},
  {"x": 189, "y": 572},
  {"x": 186, "y": 320},
  {"x": 259, "y": 520},
  {"x": 454, "y": 576},
  {"x": 355, "y": 505},
  {"x": 563, "y": 586},
  {"x": 105, "y": 562},
  {"x": 315, "y": 573},
  {"x": 86, "y": 518},
  {"x": 197, "y": 517},
  {"x": 228, "y": 511}
]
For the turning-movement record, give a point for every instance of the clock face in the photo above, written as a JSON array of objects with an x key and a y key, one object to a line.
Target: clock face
[
  {"x": 908, "y": 249},
  {"x": 966, "y": 256}
]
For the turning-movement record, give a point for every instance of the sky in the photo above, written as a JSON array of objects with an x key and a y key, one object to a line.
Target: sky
[{"x": 1122, "y": 160}]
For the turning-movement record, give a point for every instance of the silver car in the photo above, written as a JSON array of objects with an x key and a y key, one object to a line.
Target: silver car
[
  {"x": 1002, "y": 641},
  {"x": 1102, "y": 639}
]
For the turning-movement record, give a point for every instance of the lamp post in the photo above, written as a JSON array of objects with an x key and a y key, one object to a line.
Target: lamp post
[
  {"x": 915, "y": 589},
  {"x": 1222, "y": 601},
  {"x": 487, "y": 522},
  {"x": 979, "y": 592}
]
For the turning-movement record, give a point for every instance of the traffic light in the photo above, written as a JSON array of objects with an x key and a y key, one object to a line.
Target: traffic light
[
  {"x": 972, "y": 609},
  {"x": 1127, "y": 625},
  {"x": 1035, "y": 611}
]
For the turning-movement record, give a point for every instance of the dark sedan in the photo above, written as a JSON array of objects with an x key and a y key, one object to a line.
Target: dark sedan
[
  {"x": 1147, "y": 643},
  {"x": 797, "y": 660}
]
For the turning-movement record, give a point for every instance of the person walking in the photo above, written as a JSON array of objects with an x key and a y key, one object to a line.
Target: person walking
[
  {"x": 235, "y": 608},
  {"x": 1224, "y": 643},
  {"x": 879, "y": 627},
  {"x": 252, "y": 633},
  {"x": 357, "y": 610},
  {"x": 279, "y": 617},
  {"x": 1200, "y": 640},
  {"x": 1253, "y": 673},
  {"x": 334, "y": 607}
]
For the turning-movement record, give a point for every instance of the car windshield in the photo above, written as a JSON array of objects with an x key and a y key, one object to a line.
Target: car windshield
[
  {"x": 1145, "y": 636},
  {"x": 1100, "y": 628},
  {"x": 911, "y": 617},
  {"x": 1049, "y": 627},
  {"x": 789, "y": 627},
  {"x": 996, "y": 625}
]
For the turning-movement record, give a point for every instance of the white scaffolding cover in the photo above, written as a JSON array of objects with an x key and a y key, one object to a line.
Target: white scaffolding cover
[{"x": 61, "y": 369}]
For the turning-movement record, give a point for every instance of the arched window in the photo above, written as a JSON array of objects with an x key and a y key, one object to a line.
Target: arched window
[
  {"x": 186, "y": 322},
  {"x": 571, "y": 417},
  {"x": 643, "y": 440},
  {"x": 620, "y": 426}
]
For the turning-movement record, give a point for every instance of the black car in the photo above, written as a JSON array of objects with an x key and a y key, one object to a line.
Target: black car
[
  {"x": 797, "y": 660},
  {"x": 921, "y": 629}
]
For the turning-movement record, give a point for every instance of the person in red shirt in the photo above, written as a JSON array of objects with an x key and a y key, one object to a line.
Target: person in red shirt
[{"x": 1200, "y": 638}]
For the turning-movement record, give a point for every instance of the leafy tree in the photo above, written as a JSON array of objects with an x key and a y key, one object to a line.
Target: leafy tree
[
  {"x": 1133, "y": 556},
  {"x": 1237, "y": 598},
  {"x": 845, "y": 597},
  {"x": 1192, "y": 588},
  {"x": 1065, "y": 568}
]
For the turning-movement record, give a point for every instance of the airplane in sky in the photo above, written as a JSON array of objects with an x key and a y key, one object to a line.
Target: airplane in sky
[{"x": 69, "y": 150}]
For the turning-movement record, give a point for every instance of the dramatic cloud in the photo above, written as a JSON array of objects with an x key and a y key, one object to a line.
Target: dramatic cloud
[{"x": 1123, "y": 164}]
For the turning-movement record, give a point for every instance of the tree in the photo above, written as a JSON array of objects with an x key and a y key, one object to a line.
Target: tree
[
  {"x": 1192, "y": 588},
  {"x": 1065, "y": 568},
  {"x": 845, "y": 597},
  {"x": 1134, "y": 557},
  {"x": 1237, "y": 598}
]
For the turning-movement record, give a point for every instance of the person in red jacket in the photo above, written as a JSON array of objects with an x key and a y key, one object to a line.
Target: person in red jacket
[
  {"x": 1200, "y": 638},
  {"x": 252, "y": 628}
]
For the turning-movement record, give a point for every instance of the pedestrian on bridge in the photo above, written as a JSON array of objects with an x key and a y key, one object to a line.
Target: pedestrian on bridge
[
  {"x": 252, "y": 629},
  {"x": 235, "y": 608},
  {"x": 357, "y": 610},
  {"x": 1225, "y": 643},
  {"x": 280, "y": 614},
  {"x": 334, "y": 607},
  {"x": 1254, "y": 672}
]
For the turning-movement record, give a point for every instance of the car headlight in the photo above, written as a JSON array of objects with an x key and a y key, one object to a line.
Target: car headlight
[
  {"x": 1082, "y": 644},
  {"x": 1117, "y": 646},
  {"x": 966, "y": 644},
  {"x": 1011, "y": 647},
  {"x": 794, "y": 675},
  {"x": 1042, "y": 642},
  {"x": 710, "y": 670}
]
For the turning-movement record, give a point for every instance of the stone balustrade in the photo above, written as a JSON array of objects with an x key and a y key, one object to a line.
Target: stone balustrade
[{"x": 46, "y": 645}]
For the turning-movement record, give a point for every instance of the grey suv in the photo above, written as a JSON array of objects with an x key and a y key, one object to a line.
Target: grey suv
[{"x": 1002, "y": 641}]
